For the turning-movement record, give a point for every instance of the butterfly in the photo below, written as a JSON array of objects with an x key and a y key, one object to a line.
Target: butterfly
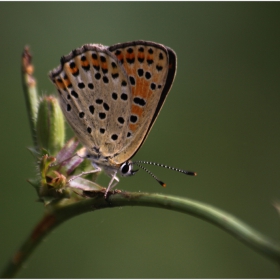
[{"x": 111, "y": 97}]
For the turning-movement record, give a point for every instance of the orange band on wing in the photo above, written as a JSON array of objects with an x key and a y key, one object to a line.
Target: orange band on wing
[
  {"x": 136, "y": 110},
  {"x": 84, "y": 63}
]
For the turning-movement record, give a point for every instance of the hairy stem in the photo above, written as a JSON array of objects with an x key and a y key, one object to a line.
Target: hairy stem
[{"x": 57, "y": 213}]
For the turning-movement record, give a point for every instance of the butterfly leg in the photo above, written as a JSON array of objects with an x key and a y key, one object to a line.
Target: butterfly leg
[
  {"x": 111, "y": 185},
  {"x": 98, "y": 169}
]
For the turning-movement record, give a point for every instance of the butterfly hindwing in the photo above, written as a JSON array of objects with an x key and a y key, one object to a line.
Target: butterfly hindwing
[{"x": 95, "y": 96}]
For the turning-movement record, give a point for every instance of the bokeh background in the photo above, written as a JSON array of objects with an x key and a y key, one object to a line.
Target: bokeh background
[{"x": 221, "y": 120}]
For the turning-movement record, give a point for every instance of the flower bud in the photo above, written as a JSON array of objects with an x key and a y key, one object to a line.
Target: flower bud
[{"x": 50, "y": 125}]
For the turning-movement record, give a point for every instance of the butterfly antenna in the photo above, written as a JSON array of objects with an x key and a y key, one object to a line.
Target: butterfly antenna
[
  {"x": 162, "y": 165},
  {"x": 150, "y": 173}
]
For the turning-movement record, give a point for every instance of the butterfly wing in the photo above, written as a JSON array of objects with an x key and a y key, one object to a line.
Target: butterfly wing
[
  {"x": 95, "y": 97},
  {"x": 151, "y": 69}
]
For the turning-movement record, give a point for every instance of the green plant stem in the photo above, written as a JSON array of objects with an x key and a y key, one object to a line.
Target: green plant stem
[
  {"x": 30, "y": 91},
  {"x": 57, "y": 213}
]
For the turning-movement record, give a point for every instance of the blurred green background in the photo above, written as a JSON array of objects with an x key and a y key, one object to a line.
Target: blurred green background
[{"x": 221, "y": 120}]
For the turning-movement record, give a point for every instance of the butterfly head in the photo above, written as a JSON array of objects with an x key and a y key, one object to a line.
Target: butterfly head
[{"x": 126, "y": 169}]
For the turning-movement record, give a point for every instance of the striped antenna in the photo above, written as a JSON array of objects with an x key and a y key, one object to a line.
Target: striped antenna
[{"x": 161, "y": 165}]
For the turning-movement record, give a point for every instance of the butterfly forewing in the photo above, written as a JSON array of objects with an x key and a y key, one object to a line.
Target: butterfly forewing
[
  {"x": 151, "y": 69},
  {"x": 172, "y": 67},
  {"x": 95, "y": 96}
]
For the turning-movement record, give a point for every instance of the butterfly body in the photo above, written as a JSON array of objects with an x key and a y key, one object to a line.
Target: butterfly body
[{"x": 111, "y": 97}]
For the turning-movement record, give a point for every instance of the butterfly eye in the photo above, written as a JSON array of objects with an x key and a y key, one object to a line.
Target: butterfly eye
[{"x": 126, "y": 169}]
